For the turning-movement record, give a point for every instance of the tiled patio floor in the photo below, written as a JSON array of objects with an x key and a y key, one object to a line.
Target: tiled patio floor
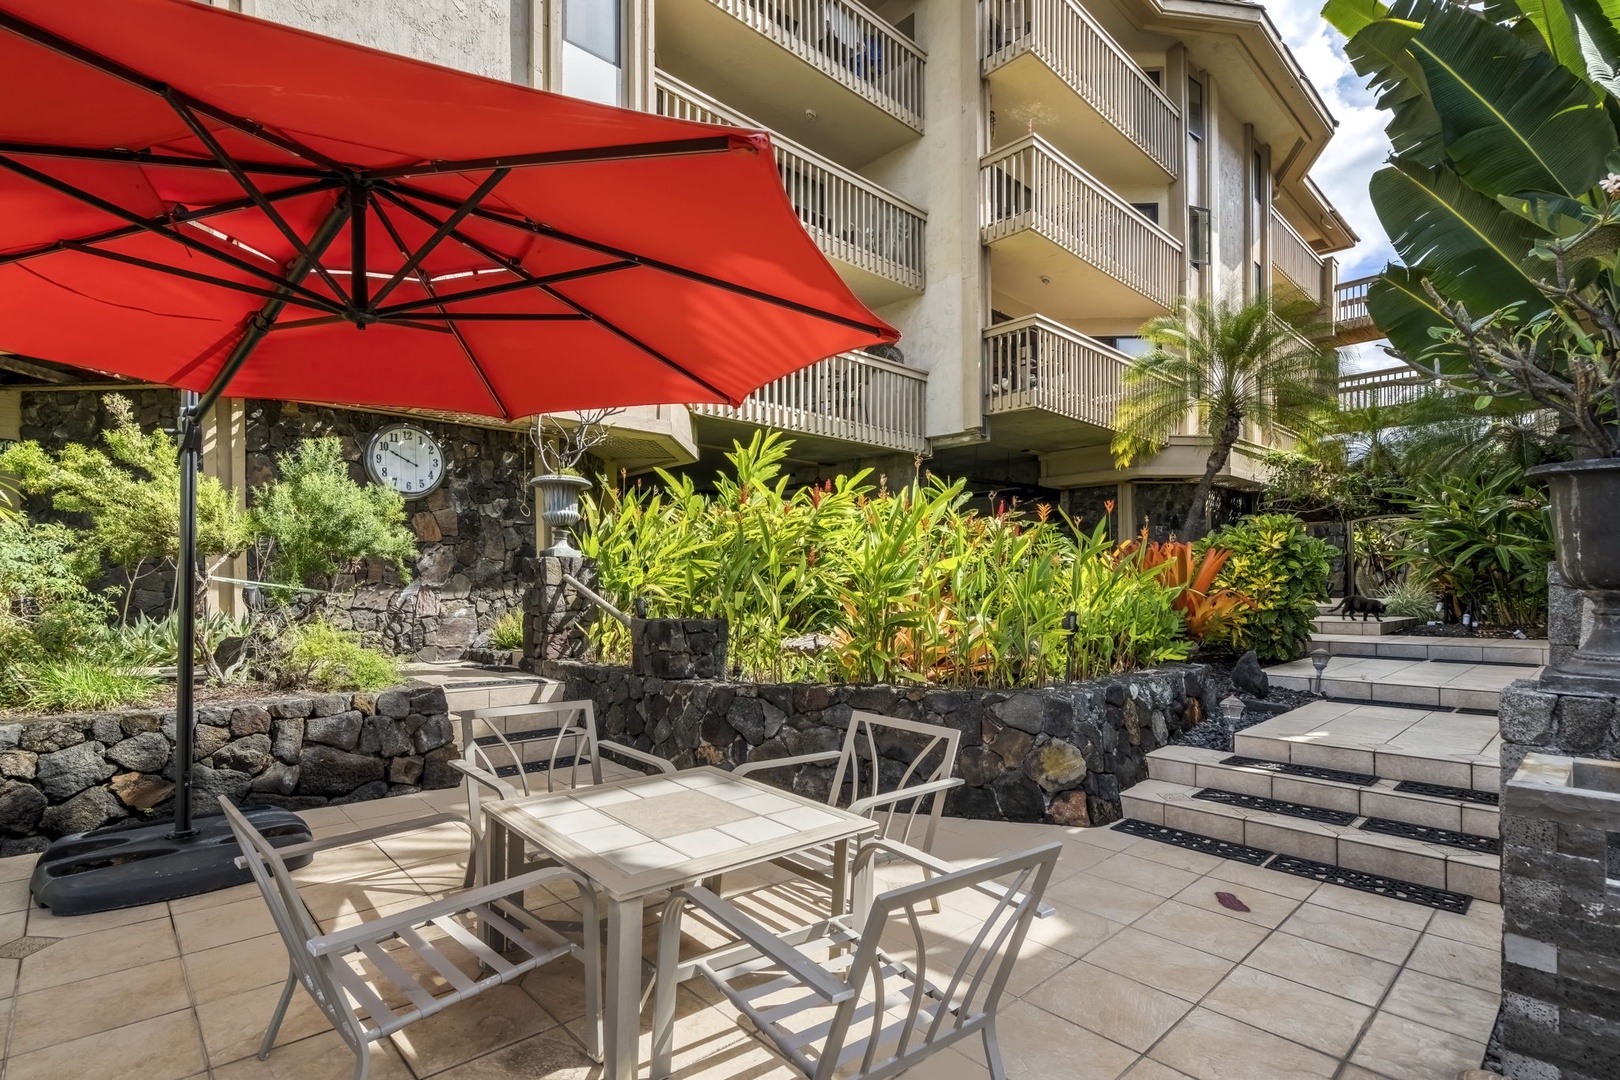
[{"x": 1142, "y": 973}]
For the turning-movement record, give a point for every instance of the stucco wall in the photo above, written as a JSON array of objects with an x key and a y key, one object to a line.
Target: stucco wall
[{"x": 474, "y": 35}]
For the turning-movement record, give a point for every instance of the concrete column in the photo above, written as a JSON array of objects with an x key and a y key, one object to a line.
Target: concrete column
[{"x": 1175, "y": 223}]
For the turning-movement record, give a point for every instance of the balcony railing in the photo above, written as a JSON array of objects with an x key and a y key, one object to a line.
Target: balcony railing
[
  {"x": 1383, "y": 388},
  {"x": 850, "y": 218},
  {"x": 1350, "y": 300},
  {"x": 1295, "y": 259},
  {"x": 1067, "y": 39},
  {"x": 1035, "y": 363},
  {"x": 851, "y": 397},
  {"x": 844, "y": 40},
  {"x": 1029, "y": 185}
]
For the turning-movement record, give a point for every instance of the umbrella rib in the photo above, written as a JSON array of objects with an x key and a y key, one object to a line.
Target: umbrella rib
[
  {"x": 539, "y": 229},
  {"x": 504, "y": 288},
  {"x": 710, "y": 144},
  {"x": 192, "y": 275},
  {"x": 493, "y": 316},
  {"x": 252, "y": 191},
  {"x": 79, "y": 194},
  {"x": 179, "y": 217},
  {"x": 146, "y": 157},
  {"x": 446, "y": 227}
]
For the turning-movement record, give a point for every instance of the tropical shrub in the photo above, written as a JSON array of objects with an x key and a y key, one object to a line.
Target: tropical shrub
[
  {"x": 1210, "y": 613},
  {"x": 507, "y": 633},
  {"x": 1412, "y": 599},
  {"x": 320, "y": 656},
  {"x": 82, "y": 686},
  {"x": 1483, "y": 543},
  {"x": 1284, "y": 571},
  {"x": 907, "y": 585}
]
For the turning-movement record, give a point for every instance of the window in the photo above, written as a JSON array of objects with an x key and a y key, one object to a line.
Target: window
[
  {"x": 1130, "y": 346},
  {"x": 1149, "y": 210},
  {"x": 1198, "y": 235},
  {"x": 1156, "y": 75},
  {"x": 1195, "y": 108},
  {"x": 593, "y": 25}
]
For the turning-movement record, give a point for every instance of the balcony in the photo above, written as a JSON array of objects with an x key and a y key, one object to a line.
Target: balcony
[
  {"x": 1050, "y": 63},
  {"x": 874, "y": 237},
  {"x": 1296, "y": 264},
  {"x": 1063, "y": 244},
  {"x": 854, "y": 90},
  {"x": 1352, "y": 324},
  {"x": 1383, "y": 388},
  {"x": 1047, "y": 387},
  {"x": 851, "y": 399}
]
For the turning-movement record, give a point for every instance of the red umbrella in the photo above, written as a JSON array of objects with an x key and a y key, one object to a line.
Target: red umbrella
[{"x": 198, "y": 198}]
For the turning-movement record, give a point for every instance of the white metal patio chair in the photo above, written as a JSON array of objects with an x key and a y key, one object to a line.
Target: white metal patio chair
[
  {"x": 905, "y": 798},
  {"x": 373, "y": 979},
  {"x": 838, "y": 1003},
  {"x": 506, "y": 750}
]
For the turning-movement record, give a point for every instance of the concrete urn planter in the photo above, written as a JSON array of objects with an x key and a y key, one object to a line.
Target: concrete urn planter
[
  {"x": 1585, "y": 523},
  {"x": 558, "y": 495}
]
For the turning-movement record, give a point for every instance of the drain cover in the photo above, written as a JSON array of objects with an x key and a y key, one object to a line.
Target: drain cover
[{"x": 25, "y": 946}]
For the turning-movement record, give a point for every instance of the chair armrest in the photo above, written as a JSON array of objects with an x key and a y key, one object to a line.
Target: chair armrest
[
  {"x": 484, "y": 777},
  {"x": 663, "y": 765},
  {"x": 916, "y": 791},
  {"x": 313, "y": 847},
  {"x": 801, "y": 967},
  {"x": 940, "y": 866},
  {"x": 376, "y": 930},
  {"x": 786, "y": 762}
]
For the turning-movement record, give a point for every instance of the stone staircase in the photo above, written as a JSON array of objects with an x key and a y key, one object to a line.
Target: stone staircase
[{"x": 468, "y": 686}]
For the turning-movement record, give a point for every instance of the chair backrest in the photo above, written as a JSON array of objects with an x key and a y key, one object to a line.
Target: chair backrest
[
  {"x": 883, "y": 754},
  {"x": 293, "y": 923},
  {"x": 549, "y": 738},
  {"x": 972, "y": 993}
]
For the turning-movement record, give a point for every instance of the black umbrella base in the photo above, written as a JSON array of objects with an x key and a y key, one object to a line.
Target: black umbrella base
[{"x": 116, "y": 868}]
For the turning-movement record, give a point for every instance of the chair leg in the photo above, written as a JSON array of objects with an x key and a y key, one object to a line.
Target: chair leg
[
  {"x": 992, "y": 1052},
  {"x": 362, "y": 1061},
  {"x": 664, "y": 985},
  {"x": 279, "y": 1015}
]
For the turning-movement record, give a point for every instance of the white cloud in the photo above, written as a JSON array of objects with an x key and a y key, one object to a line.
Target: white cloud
[{"x": 1358, "y": 147}]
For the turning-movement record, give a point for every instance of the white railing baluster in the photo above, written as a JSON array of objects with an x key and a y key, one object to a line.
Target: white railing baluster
[
  {"x": 1035, "y": 363},
  {"x": 1295, "y": 259}
]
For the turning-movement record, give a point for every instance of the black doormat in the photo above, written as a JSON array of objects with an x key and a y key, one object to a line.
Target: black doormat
[
  {"x": 1484, "y": 845},
  {"x": 1221, "y": 849},
  {"x": 1440, "y": 791},
  {"x": 1408, "y": 891},
  {"x": 1276, "y": 806},
  {"x": 1308, "y": 772}
]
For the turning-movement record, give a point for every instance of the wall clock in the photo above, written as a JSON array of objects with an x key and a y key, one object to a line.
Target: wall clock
[{"x": 406, "y": 458}]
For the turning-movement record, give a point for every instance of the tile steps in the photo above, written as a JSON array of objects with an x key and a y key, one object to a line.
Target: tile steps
[
  {"x": 1434, "y": 865},
  {"x": 1194, "y": 768},
  {"x": 1531, "y": 652},
  {"x": 1358, "y": 627},
  {"x": 1394, "y": 693},
  {"x": 1393, "y": 763}
]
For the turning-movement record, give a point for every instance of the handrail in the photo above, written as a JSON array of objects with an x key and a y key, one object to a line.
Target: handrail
[
  {"x": 1070, "y": 41},
  {"x": 1350, "y": 299},
  {"x": 849, "y": 217},
  {"x": 1295, "y": 258},
  {"x": 852, "y": 397},
  {"x": 847, "y": 41},
  {"x": 1035, "y": 363},
  {"x": 1029, "y": 184},
  {"x": 1382, "y": 388}
]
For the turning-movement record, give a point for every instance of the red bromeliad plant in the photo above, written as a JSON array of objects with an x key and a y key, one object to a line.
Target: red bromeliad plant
[{"x": 1209, "y": 614}]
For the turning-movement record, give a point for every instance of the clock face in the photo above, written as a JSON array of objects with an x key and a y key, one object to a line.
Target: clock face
[{"x": 405, "y": 458}]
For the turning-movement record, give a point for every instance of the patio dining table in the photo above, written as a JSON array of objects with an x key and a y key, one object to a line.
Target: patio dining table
[{"x": 637, "y": 837}]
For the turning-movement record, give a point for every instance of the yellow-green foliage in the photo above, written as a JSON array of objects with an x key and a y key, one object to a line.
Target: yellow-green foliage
[
  {"x": 507, "y": 633},
  {"x": 1284, "y": 571},
  {"x": 321, "y": 657},
  {"x": 908, "y": 584}
]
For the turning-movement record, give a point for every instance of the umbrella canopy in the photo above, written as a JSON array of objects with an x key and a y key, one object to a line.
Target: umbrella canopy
[{"x": 186, "y": 192}]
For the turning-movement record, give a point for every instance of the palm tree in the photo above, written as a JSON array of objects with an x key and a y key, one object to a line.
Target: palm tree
[{"x": 1226, "y": 363}]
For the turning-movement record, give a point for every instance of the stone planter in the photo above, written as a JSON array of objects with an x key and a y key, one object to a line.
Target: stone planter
[
  {"x": 559, "y": 508},
  {"x": 1586, "y": 521},
  {"x": 679, "y": 648}
]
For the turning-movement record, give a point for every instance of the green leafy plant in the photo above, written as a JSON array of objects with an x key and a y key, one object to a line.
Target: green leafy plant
[
  {"x": 318, "y": 522},
  {"x": 507, "y": 632},
  {"x": 1284, "y": 571},
  {"x": 1412, "y": 599},
  {"x": 82, "y": 685},
  {"x": 1231, "y": 365},
  {"x": 320, "y": 656}
]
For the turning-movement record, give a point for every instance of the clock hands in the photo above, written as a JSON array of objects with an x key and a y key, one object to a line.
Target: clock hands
[{"x": 402, "y": 457}]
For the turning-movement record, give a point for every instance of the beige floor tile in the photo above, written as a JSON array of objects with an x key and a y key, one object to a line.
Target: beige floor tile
[
  {"x": 1296, "y": 1012},
  {"x": 232, "y": 969},
  {"x": 101, "y": 953},
  {"x": 1103, "y": 836},
  {"x": 1310, "y": 963},
  {"x": 1110, "y": 899},
  {"x": 1160, "y": 963},
  {"x": 232, "y": 1027},
  {"x": 426, "y": 845},
  {"x": 1074, "y": 858},
  {"x": 1449, "y": 1006},
  {"x": 559, "y": 987},
  {"x": 17, "y": 866},
  {"x": 1179, "y": 857},
  {"x": 42, "y": 923},
  {"x": 161, "y": 1048},
  {"x": 1145, "y": 874},
  {"x": 1209, "y": 1046},
  {"x": 206, "y": 928},
  {"x": 475, "y": 1027},
  {"x": 1035, "y": 964},
  {"x": 1458, "y": 961},
  {"x": 8, "y": 979},
  {"x": 213, "y": 899},
  {"x": 1403, "y": 1049},
  {"x": 1372, "y": 906},
  {"x": 1071, "y": 931},
  {"x": 319, "y": 1057},
  {"x": 325, "y": 815},
  {"x": 554, "y": 1054},
  {"x": 1369, "y": 937},
  {"x": 73, "y": 1010},
  {"x": 14, "y": 895},
  {"x": 1271, "y": 881},
  {"x": 1265, "y": 909},
  {"x": 1117, "y": 1008},
  {"x": 1148, "y": 1069},
  {"x": 1482, "y": 925},
  {"x": 1035, "y": 1043},
  {"x": 13, "y": 926},
  {"x": 338, "y": 864},
  {"x": 1202, "y": 929}
]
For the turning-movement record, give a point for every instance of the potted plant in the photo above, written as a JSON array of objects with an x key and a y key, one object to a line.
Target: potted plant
[{"x": 561, "y": 442}]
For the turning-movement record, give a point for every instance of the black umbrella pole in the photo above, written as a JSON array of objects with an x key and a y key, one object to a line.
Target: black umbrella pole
[{"x": 185, "y": 585}]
